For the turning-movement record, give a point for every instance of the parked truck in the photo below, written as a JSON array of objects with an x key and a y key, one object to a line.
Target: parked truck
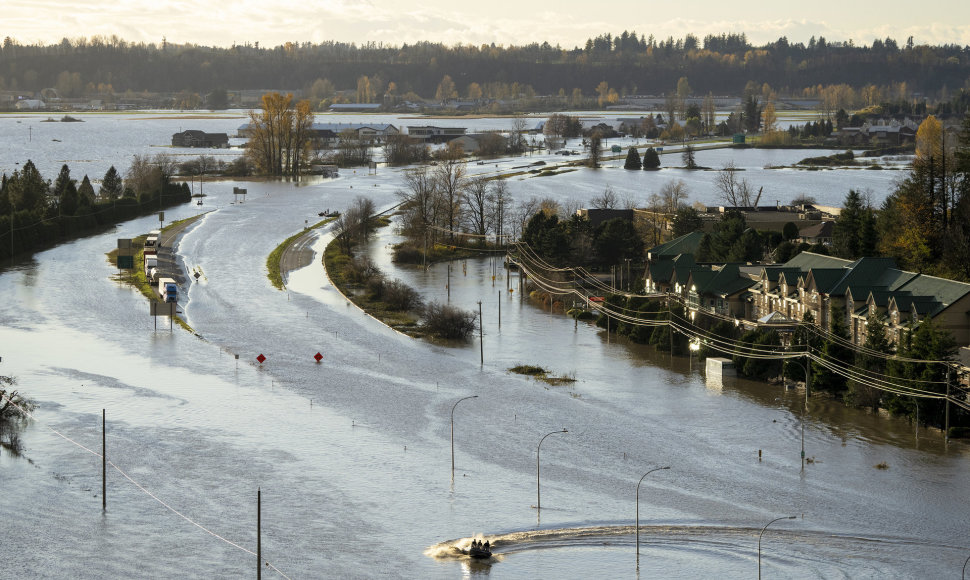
[
  {"x": 151, "y": 266},
  {"x": 168, "y": 290},
  {"x": 152, "y": 241}
]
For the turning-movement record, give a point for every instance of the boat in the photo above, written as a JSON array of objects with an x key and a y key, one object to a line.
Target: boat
[{"x": 478, "y": 551}]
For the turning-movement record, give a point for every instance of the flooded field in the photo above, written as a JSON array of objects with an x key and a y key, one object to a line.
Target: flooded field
[{"x": 353, "y": 454}]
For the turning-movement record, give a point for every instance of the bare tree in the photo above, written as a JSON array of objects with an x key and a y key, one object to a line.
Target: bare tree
[
  {"x": 732, "y": 191},
  {"x": 477, "y": 200},
  {"x": 517, "y": 135},
  {"x": 451, "y": 183},
  {"x": 608, "y": 200},
  {"x": 421, "y": 205},
  {"x": 502, "y": 207}
]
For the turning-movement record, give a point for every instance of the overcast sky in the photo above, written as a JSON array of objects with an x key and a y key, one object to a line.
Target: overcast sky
[{"x": 565, "y": 22}]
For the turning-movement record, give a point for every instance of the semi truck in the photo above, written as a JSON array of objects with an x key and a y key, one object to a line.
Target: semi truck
[
  {"x": 151, "y": 265},
  {"x": 168, "y": 290},
  {"x": 152, "y": 241}
]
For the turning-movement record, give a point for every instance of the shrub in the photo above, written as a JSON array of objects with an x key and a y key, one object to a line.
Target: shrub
[
  {"x": 448, "y": 322},
  {"x": 408, "y": 254},
  {"x": 400, "y": 296}
]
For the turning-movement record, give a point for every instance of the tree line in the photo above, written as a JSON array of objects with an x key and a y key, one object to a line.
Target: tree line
[
  {"x": 631, "y": 63},
  {"x": 36, "y": 212}
]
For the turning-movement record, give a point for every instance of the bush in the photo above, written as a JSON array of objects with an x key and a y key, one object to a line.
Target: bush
[
  {"x": 448, "y": 322},
  {"x": 408, "y": 254},
  {"x": 400, "y": 296}
]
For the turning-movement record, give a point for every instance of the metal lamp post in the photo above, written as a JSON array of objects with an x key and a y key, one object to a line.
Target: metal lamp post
[
  {"x": 763, "y": 533},
  {"x": 638, "y": 508},
  {"x": 453, "y": 433},
  {"x": 538, "y": 447},
  {"x": 808, "y": 386}
]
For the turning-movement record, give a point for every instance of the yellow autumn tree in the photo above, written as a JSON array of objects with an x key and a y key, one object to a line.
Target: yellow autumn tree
[
  {"x": 279, "y": 134},
  {"x": 929, "y": 144},
  {"x": 446, "y": 89}
]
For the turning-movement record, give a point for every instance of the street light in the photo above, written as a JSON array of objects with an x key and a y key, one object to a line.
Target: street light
[
  {"x": 538, "y": 491},
  {"x": 763, "y": 533},
  {"x": 638, "y": 508},
  {"x": 453, "y": 433},
  {"x": 808, "y": 385}
]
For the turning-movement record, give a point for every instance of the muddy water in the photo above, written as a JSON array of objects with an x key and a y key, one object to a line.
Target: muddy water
[{"x": 353, "y": 454}]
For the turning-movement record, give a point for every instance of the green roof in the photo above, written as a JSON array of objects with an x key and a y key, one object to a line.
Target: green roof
[
  {"x": 805, "y": 261},
  {"x": 686, "y": 244}
]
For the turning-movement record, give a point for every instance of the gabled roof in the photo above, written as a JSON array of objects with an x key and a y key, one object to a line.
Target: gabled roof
[
  {"x": 773, "y": 273},
  {"x": 805, "y": 261},
  {"x": 686, "y": 244},
  {"x": 946, "y": 291},
  {"x": 724, "y": 282},
  {"x": 823, "y": 279}
]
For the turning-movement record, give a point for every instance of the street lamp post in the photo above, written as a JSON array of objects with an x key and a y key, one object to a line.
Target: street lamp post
[
  {"x": 638, "y": 508},
  {"x": 539, "y": 447},
  {"x": 808, "y": 386},
  {"x": 762, "y": 534},
  {"x": 453, "y": 433}
]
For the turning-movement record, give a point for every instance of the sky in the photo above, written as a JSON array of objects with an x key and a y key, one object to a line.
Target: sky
[{"x": 567, "y": 23}]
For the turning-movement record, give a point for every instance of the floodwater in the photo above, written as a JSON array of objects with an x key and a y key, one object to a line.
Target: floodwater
[{"x": 353, "y": 454}]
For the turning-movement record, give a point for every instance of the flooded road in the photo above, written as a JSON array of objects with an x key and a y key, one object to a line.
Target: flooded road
[{"x": 353, "y": 456}]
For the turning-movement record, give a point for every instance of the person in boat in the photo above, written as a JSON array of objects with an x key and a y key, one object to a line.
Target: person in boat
[{"x": 485, "y": 547}]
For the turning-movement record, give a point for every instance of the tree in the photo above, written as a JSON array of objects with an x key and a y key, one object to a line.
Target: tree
[
  {"x": 218, "y": 99},
  {"x": 651, "y": 160},
  {"x": 927, "y": 342},
  {"x": 732, "y": 191},
  {"x": 279, "y": 134},
  {"x": 688, "y": 157},
  {"x": 85, "y": 193},
  {"x": 847, "y": 230},
  {"x": 687, "y": 220},
  {"x": 595, "y": 142},
  {"x": 860, "y": 392},
  {"x": 769, "y": 117},
  {"x": 111, "y": 185},
  {"x": 633, "y": 159},
  {"x": 65, "y": 191},
  {"x": 14, "y": 406},
  {"x": 451, "y": 182},
  {"x": 835, "y": 351},
  {"x": 608, "y": 200},
  {"x": 446, "y": 90},
  {"x": 789, "y": 231},
  {"x": 477, "y": 199},
  {"x": 616, "y": 240}
]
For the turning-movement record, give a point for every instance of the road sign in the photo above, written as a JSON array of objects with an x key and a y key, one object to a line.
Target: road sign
[
  {"x": 318, "y": 357},
  {"x": 261, "y": 359}
]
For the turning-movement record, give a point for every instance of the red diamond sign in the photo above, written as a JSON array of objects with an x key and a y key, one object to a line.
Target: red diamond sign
[
  {"x": 318, "y": 357},
  {"x": 261, "y": 359}
]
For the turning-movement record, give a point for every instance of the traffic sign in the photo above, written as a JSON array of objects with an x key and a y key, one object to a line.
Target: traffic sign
[
  {"x": 318, "y": 357},
  {"x": 261, "y": 359}
]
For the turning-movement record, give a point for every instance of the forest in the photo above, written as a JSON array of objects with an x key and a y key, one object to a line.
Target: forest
[{"x": 629, "y": 64}]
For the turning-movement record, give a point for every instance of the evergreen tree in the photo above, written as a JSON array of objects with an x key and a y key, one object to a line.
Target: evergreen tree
[
  {"x": 616, "y": 240},
  {"x": 860, "y": 393},
  {"x": 928, "y": 342},
  {"x": 836, "y": 352},
  {"x": 688, "y": 157},
  {"x": 651, "y": 160},
  {"x": 686, "y": 220},
  {"x": 85, "y": 193},
  {"x": 633, "y": 159},
  {"x": 65, "y": 190},
  {"x": 847, "y": 230},
  {"x": 111, "y": 186}
]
